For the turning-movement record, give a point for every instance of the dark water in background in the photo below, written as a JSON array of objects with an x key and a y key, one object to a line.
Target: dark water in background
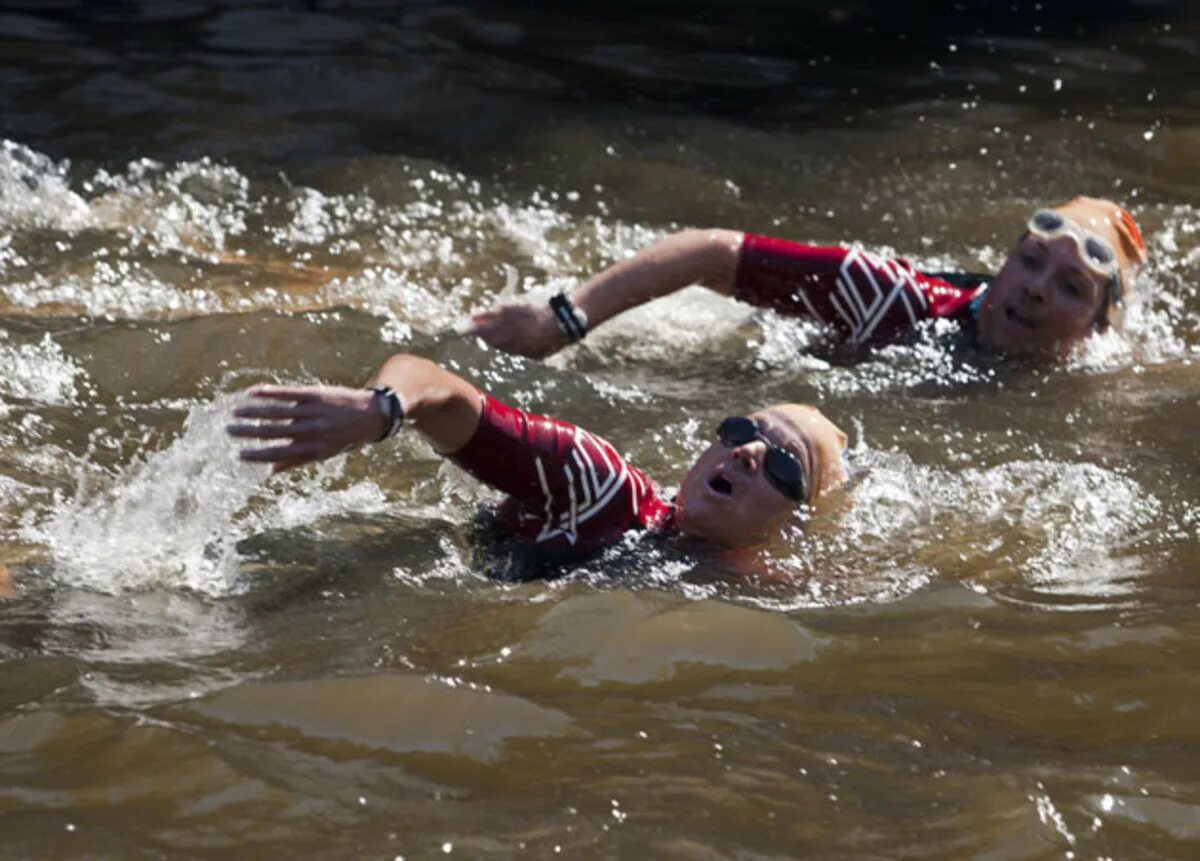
[{"x": 990, "y": 654}]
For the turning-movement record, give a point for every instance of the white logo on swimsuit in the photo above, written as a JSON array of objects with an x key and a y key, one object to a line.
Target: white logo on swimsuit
[
  {"x": 863, "y": 302},
  {"x": 587, "y": 494}
]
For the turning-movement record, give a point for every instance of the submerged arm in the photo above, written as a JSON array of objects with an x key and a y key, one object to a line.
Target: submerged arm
[
  {"x": 312, "y": 423},
  {"x": 705, "y": 257}
]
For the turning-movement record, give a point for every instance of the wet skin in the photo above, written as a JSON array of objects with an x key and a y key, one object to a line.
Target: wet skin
[
  {"x": 726, "y": 498},
  {"x": 1043, "y": 300}
]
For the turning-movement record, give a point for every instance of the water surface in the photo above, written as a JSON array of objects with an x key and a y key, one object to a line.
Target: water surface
[{"x": 983, "y": 654}]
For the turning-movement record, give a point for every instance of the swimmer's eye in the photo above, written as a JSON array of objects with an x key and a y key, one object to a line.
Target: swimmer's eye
[{"x": 1073, "y": 288}]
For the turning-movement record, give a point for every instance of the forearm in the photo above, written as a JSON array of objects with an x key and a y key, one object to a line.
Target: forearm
[
  {"x": 705, "y": 257},
  {"x": 439, "y": 404},
  {"x": 306, "y": 424}
]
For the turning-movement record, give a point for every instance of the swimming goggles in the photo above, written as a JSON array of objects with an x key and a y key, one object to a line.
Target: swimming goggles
[
  {"x": 1095, "y": 251},
  {"x": 779, "y": 465}
]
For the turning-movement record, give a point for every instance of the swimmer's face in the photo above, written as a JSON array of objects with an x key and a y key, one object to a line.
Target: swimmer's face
[
  {"x": 1047, "y": 297},
  {"x": 726, "y": 498},
  {"x": 1043, "y": 300}
]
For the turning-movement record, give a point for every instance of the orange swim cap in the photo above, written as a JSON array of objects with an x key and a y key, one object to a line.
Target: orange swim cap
[{"x": 1117, "y": 226}]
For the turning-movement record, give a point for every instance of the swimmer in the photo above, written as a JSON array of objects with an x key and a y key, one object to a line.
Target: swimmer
[
  {"x": 567, "y": 491},
  {"x": 1070, "y": 273}
]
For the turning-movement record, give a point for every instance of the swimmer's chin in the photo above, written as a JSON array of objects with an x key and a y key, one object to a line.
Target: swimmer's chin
[{"x": 700, "y": 535}]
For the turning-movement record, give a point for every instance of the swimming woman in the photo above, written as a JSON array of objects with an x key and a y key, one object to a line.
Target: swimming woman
[
  {"x": 567, "y": 490},
  {"x": 1070, "y": 273}
]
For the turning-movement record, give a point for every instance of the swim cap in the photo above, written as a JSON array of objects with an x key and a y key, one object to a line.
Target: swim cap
[
  {"x": 825, "y": 441},
  {"x": 1117, "y": 226}
]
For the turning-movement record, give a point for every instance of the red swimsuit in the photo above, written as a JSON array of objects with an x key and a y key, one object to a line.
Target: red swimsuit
[
  {"x": 568, "y": 490},
  {"x": 870, "y": 300}
]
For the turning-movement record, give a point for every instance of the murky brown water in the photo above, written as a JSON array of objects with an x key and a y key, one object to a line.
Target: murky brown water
[{"x": 989, "y": 654}]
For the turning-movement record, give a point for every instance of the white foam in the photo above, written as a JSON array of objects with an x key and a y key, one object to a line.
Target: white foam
[
  {"x": 123, "y": 289},
  {"x": 38, "y": 372},
  {"x": 1061, "y": 526},
  {"x": 166, "y": 521},
  {"x": 35, "y": 192},
  {"x": 193, "y": 207}
]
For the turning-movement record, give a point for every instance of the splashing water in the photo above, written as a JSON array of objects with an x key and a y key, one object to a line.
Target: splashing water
[
  {"x": 34, "y": 191},
  {"x": 1062, "y": 524},
  {"x": 38, "y": 372},
  {"x": 170, "y": 520},
  {"x": 174, "y": 518}
]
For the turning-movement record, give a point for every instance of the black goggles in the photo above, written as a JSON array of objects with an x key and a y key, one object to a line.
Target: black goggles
[{"x": 780, "y": 466}]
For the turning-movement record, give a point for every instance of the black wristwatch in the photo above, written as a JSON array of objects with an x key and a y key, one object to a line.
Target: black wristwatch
[
  {"x": 571, "y": 320},
  {"x": 392, "y": 408}
]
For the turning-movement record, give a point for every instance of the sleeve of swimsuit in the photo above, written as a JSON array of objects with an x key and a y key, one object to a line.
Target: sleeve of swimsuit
[
  {"x": 566, "y": 487},
  {"x": 867, "y": 298}
]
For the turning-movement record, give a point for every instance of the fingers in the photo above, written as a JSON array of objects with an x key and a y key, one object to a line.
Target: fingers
[
  {"x": 298, "y": 394},
  {"x": 307, "y": 423},
  {"x": 258, "y": 431},
  {"x": 297, "y": 429},
  {"x": 273, "y": 411},
  {"x": 292, "y": 454}
]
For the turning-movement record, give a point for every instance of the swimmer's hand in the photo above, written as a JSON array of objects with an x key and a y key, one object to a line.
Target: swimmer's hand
[
  {"x": 315, "y": 423},
  {"x": 519, "y": 328},
  {"x": 311, "y": 423}
]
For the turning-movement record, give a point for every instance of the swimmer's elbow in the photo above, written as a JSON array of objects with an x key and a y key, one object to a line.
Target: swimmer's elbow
[
  {"x": 438, "y": 403},
  {"x": 717, "y": 252}
]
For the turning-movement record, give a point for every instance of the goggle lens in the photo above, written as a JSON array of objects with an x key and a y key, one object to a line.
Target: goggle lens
[
  {"x": 1096, "y": 250},
  {"x": 737, "y": 430},
  {"x": 780, "y": 465},
  {"x": 1101, "y": 252},
  {"x": 1047, "y": 220}
]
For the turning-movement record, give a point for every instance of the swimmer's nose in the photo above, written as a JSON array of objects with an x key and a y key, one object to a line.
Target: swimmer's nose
[
  {"x": 747, "y": 455},
  {"x": 1036, "y": 287}
]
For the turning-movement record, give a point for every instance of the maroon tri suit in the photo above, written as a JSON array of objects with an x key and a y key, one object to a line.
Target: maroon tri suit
[
  {"x": 567, "y": 489},
  {"x": 870, "y": 300}
]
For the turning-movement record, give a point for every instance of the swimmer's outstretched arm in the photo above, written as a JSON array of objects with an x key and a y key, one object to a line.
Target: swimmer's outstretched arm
[
  {"x": 705, "y": 257},
  {"x": 311, "y": 423}
]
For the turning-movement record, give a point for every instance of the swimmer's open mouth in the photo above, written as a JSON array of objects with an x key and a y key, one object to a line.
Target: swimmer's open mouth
[
  {"x": 720, "y": 484},
  {"x": 1014, "y": 317}
]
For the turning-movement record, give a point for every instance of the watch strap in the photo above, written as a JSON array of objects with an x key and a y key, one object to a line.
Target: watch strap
[
  {"x": 392, "y": 408},
  {"x": 571, "y": 320}
]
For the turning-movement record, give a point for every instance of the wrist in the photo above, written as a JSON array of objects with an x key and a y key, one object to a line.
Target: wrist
[
  {"x": 390, "y": 409},
  {"x": 571, "y": 321}
]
